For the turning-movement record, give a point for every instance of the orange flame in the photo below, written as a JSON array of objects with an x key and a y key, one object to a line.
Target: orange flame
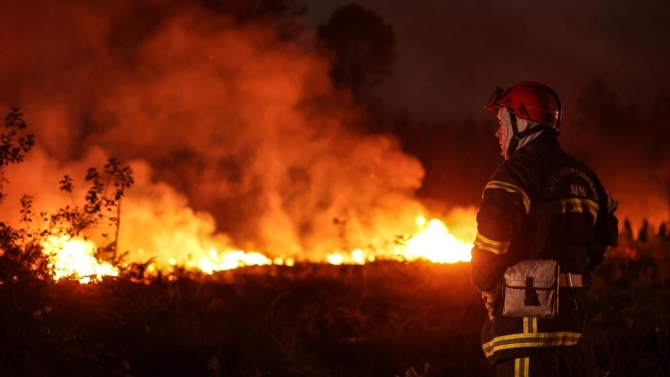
[
  {"x": 73, "y": 257},
  {"x": 433, "y": 242},
  {"x": 436, "y": 244},
  {"x": 230, "y": 260}
]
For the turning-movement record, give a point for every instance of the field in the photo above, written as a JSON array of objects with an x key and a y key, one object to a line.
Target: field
[{"x": 378, "y": 319}]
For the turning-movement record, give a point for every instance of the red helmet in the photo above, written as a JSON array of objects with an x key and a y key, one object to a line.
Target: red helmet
[{"x": 530, "y": 101}]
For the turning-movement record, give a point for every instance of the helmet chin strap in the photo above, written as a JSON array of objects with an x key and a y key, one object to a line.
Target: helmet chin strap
[
  {"x": 518, "y": 136},
  {"x": 511, "y": 148}
]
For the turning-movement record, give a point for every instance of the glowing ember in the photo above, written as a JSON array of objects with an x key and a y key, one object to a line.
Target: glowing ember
[
  {"x": 335, "y": 259},
  {"x": 230, "y": 260},
  {"x": 283, "y": 262},
  {"x": 73, "y": 257},
  {"x": 358, "y": 256},
  {"x": 436, "y": 244}
]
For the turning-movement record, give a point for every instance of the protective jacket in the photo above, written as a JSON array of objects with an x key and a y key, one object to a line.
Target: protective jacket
[{"x": 541, "y": 203}]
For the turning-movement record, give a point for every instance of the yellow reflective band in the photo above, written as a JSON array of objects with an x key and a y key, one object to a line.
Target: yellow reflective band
[
  {"x": 530, "y": 325},
  {"x": 569, "y": 206},
  {"x": 530, "y": 340},
  {"x": 489, "y": 241},
  {"x": 611, "y": 203},
  {"x": 526, "y": 367},
  {"x": 536, "y": 335},
  {"x": 487, "y": 248},
  {"x": 511, "y": 188},
  {"x": 496, "y": 247},
  {"x": 581, "y": 206},
  {"x": 517, "y": 367},
  {"x": 522, "y": 367}
]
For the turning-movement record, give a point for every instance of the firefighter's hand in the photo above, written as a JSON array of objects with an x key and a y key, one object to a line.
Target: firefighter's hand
[
  {"x": 587, "y": 281},
  {"x": 492, "y": 300}
]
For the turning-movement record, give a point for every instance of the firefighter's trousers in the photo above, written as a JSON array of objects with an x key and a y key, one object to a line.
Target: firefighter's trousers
[{"x": 555, "y": 365}]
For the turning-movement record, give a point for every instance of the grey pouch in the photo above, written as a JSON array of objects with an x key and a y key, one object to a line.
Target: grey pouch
[{"x": 530, "y": 289}]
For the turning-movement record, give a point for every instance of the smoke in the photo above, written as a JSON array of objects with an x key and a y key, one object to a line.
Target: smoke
[
  {"x": 235, "y": 133},
  {"x": 626, "y": 148},
  {"x": 640, "y": 185}
]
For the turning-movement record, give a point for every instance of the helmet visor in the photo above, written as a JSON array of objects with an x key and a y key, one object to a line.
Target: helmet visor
[{"x": 493, "y": 105}]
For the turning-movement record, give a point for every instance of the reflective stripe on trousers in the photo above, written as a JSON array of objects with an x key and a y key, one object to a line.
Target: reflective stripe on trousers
[{"x": 543, "y": 366}]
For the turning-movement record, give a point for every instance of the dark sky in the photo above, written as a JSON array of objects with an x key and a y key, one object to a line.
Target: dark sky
[{"x": 452, "y": 54}]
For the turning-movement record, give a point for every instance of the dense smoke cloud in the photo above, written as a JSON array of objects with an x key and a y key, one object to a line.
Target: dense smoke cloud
[{"x": 225, "y": 123}]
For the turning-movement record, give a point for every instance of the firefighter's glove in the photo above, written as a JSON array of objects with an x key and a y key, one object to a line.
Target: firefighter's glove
[{"x": 492, "y": 301}]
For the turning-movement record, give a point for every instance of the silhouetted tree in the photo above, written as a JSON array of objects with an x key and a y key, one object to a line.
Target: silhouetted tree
[
  {"x": 364, "y": 46},
  {"x": 458, "y": 158},
  {"x": 662, "y": 231},
  {"x": 599, "y": 108},
  {"x": 642, "y": 235},
  {"x": 14, "y": 144},
  {"x": 626, "y": 234}
]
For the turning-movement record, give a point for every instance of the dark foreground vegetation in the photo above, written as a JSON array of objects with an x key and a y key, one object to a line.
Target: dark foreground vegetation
[{"x": 380, "y": 319}]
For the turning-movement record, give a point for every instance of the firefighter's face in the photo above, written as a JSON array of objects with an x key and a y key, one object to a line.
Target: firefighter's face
[{"x": 502, "y": 131}]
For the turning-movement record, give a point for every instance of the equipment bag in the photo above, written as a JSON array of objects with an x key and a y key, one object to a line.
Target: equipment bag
[{"x": 530, "y": 289}]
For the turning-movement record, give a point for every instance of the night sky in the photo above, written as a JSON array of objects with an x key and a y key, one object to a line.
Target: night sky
[{"x": 452, "y": 54}]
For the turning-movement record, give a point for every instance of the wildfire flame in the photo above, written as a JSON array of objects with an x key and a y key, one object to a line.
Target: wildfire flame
[
  {"x": 436, "y": 244},
  {"x": 230, "y": 260},
  {"x": 74, "y": 257},
  {"x": 433, "y": 242}
]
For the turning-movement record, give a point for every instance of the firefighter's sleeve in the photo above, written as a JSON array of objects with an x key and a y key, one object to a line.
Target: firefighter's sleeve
[
  {"x": 605, "y": 231},
  {"x": 503, "y": 207}
]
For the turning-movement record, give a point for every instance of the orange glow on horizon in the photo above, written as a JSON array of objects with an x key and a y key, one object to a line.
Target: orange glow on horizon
[{"x": 432, "y": 241}]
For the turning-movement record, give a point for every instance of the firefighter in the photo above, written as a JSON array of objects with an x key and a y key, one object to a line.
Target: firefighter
[{"x": 541, "y": 204}]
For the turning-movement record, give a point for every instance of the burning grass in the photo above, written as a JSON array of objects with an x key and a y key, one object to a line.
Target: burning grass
[{"x": 77, "y": 257}]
